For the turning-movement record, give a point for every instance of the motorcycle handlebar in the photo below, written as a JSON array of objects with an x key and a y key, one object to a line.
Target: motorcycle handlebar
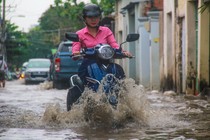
[{"x": 116, "y": 56}]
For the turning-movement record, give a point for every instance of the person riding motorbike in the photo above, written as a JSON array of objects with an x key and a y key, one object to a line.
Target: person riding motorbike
[{"x": 91, "y": 35}]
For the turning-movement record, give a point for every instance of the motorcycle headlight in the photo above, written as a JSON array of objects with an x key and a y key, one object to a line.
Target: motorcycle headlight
[{"x": 105, "y": 52}]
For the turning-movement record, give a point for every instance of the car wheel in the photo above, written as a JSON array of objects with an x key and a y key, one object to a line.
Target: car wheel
[{"x": 72, "y": 97}]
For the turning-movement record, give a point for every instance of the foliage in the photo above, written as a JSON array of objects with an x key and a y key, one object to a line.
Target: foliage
[
  {"x": 40, "y": 46},
  {"x": 204, "y": 6},
  {"x": 107, "y": 6},
  {"x": 62, "y": 16},
  {"x": 16, "y": 45},
  {"x": 66, "y": 16},
  {"x": 59, "y": 19}
]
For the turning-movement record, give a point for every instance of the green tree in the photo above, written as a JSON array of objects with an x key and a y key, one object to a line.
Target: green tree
[
  {"x": 67, "y": 15},
  {"x": 40, "y": 46},
  {"x": 61, "y": 16},
  {"x": 204, "y": 6},
  {"x": 106, "y": 5},
  {"x": 59, "y": 19},
  {"x": 16, "y": 45}
]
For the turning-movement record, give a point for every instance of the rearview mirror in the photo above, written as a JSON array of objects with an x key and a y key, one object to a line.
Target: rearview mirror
[
  {"x": 132, "y": 37},
  {"x": 72, "y": 37}
]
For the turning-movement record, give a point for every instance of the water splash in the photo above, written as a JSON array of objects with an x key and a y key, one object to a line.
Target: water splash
[
  {"x": 46, "y": 85},
  {"x": 134, "y": 109},
  {"x": 94, "y": 109}
]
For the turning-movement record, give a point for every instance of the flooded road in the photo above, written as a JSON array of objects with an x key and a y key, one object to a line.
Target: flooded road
[{"x": 38, "y": 112}]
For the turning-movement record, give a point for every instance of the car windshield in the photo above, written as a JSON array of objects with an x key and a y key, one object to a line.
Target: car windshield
[
  {"x": 39, "y": 64},
  {"x": 65, "y": 47}
]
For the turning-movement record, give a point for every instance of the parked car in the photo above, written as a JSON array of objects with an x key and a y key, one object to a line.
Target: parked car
[
  {"x": 63, "y": 67},
  {"x": 37, "y": 70}
]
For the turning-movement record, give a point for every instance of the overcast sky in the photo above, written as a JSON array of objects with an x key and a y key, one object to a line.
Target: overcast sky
[
  {"x": 30, "y": 9},
  {"x": 25, "y": 13}
]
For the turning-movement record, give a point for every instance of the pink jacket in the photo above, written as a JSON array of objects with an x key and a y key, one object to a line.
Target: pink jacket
[{"x": 103, "y": 36}]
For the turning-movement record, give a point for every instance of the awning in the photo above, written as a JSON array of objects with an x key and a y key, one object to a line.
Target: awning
[{"x": 132, "y": 3}]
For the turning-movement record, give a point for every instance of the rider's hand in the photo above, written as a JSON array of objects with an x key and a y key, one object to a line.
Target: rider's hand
[
  {"x": 76, "y": 55},
  {"x": 127, "y": 54}
]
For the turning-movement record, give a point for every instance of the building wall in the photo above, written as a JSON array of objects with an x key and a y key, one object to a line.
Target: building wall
[
  {"x": 180, "y": 47},
  {"x": 161, "y": 54},
  {"x": 203, "y": 49},
  {"x": 191, "y": 46},
  {"x": 184, "y": 43},
  {"x": 119, "y": 20},
  {"x": 179, "y": 43},
  {"x": 181, "y": 8},
  {"x": 185, "y": 47},
  {"x": 144, "y": 51},
  {"x": 154, "y": 50},
  {"x": 138, "y": 17},
  {"x": 127, "y": 22},
  {"x": 118, "y": 17},
  {"x": 168, "y": 45}
]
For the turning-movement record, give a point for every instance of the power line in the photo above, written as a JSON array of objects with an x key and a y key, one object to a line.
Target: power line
[{"x": 55, "y": 30}]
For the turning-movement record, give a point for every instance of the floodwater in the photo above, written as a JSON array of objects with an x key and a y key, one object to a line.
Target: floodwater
[{"x": 38, "y": 112}]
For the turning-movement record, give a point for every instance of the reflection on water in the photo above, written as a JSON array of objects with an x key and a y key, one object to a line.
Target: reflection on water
[
  {"x": 139, "y": 115},
  {"x": 37, "y": 134}
]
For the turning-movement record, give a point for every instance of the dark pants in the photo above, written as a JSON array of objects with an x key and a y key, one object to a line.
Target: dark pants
[
  {"x": 83, "y": 70},
  {"x": 2, "y": 75}
]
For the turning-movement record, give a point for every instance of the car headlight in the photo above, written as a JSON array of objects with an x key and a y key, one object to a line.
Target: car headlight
[{"x": 105, "y": 52}]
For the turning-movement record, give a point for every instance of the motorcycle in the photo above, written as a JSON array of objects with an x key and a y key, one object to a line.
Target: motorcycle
[{"x": 101, "y": 71}]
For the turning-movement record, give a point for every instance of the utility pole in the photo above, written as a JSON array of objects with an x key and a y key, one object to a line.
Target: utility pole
[{"x": 3, "y": 31}]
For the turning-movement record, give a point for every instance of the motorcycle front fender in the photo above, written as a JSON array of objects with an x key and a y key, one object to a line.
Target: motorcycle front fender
[{"x": 75, "y": 81}]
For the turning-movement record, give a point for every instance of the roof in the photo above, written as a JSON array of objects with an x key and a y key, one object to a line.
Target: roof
[
  {"x": 132, "y": 3},
  {"x": 39, "y": 59}
]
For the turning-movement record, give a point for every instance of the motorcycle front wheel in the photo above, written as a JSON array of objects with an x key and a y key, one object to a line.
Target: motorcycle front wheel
[{"x": 72, "y": 96}]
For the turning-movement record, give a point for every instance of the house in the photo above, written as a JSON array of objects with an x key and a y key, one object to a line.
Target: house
[
  {"x": 173, "y": 52},
  {"x": 140, "y": 16},
  {"x": 185, "y": 47}
]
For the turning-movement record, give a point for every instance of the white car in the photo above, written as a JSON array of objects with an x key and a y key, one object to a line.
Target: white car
[{"x": 37, "y": 70}]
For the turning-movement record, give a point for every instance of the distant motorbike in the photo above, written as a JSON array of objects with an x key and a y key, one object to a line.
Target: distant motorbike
[
  {"x": 101, "y": 70},
  {"x": 2, "y": 78}
]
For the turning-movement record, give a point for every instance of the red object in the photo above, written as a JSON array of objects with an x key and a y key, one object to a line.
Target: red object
[
  {"x": 196, "y": 93},
  {"x": 57, "y": 64}
]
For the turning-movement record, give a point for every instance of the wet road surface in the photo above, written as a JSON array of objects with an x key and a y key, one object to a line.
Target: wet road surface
[{"x": 37, "y": 112}]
